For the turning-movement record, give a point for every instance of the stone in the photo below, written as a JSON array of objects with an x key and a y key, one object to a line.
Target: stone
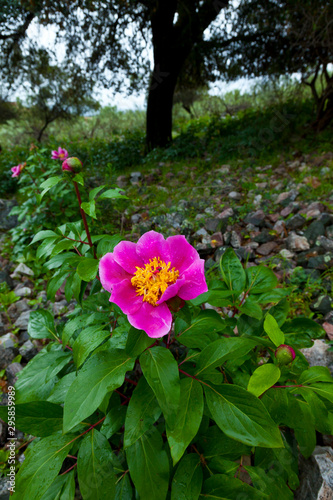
[
  {"x": 17, "y": 308},
  {"x": 209, "y": 263},
  {"x": 214, "y": 225},
  {"x": 136, "y": 218},
  {"x": 8, "y": 340},
  {"x": 322, "y": 262},
  {"x": 264, "y": 236},
  {"x": 257, "y": 200},
  {"x": 201, "y": 233},
  {"x": 4, "y": 276},
  {"x": 324, "y": 242},
  {"x": 319, "y": 355},
  {"x": 7, "y": 356},
  {"x": 297, "y": 243},
  {"x": 122, "y": 181},
  {"x": 256, "y": 218},
  {"x": 24, "y": 291},
  {"x": 326, "y": 219},
  {"x": 314, "y": 230},
  {"x": 136, "y": 176},
  {"x": 328, "y": 327},
  {"x": 42, "y": 295},
  {"x": 7, "y": 221},
  {"x": 216, "y": 240},
  {"x": 286, "y": 197},
  {"x": 4, "y": 485},
  {"x": 219, "y": 252},
  {"x": 266, "y": 248},
  {"x": 234, "y": 195},
  {"x": 22, "y": 269},
  {"x": 279, "y": 227},
  {"x": 235, "y": 240},
  {"x": 12, "y": 371},
  {"x": 323, "y": 304},
  {"x": 286, "y": 254},
  {"x": 244, "y": 253},
  {"x": 2, "y": 326},
  {"x": 23, "y": 320},
  {"x": 28, "y": 350},
  {"x": 227, "y": 212},
  {"x": 59, "y": 307},
  {"x": 296, "y": 222},
  {"x": 316, "y": 475}
]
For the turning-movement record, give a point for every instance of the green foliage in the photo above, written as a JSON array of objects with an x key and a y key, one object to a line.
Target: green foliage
[{"x": 129, "y": 416}]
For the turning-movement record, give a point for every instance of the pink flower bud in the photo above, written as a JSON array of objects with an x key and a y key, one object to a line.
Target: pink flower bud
[
  {"x": 285, "y": 354},
  {"x": 72, "y": 165}
]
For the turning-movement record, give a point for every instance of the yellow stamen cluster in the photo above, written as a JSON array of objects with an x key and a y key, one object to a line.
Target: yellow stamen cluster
[{"x": 152, "y": 280}]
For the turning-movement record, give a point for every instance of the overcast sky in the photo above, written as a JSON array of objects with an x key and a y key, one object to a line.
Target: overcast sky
[{"x": 47, "y": 38}]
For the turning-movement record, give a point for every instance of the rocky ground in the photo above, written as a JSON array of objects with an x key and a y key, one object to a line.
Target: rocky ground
[{"x": 281, "y": 217}]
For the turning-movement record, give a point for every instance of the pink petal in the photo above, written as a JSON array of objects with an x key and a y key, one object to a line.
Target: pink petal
[
  {"x": 195, "y": 282},
  {"x": 155, "y": 321},
  {"x": 110, "y": 272},
  {"x": 152, "y": 244},
  {"x": 171, "y": 291},
  {"x": 124, "y": 295},
  {"x": 181, "y": 252},
  {"x": 125, "y": 255}
]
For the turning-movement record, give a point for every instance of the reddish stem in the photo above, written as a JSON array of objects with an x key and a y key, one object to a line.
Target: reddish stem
[
  {"x": 281, "y": 386},
  {"x": 68, "y": 470},
  {"x": 130, "y": 381},
  {"x": 83, "y": 215},
  {"x": 121, "y": 394},
  {"x": 82, "y": 434},
  {"x": 192, "y": 376}
]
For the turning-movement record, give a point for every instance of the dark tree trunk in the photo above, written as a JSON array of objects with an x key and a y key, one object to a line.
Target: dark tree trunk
[{"x": 172, "y": 44}]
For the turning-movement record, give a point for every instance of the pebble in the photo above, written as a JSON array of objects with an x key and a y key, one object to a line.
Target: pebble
[
  {"x": 283, "y": 198},
  {"x": 235, "y": 240},
  {"x": 22, "y": 269},
  {"x": 228, "y": 212},
  {"x": 286, "y": 254},
  {"x": 297, "y": 243},
  {"x": 296, "y": 222},
  {"x": 28, "y": 350},
  {"x": 266, "y": 248},
  {"x": 234, "y": 195},
  {"x": 324, "y": 242},
  {"x": 24, "y": 291},
  {"x": 12, "y": 371},
  {"x": 23, "y": 320},
  {"x": 8, "y": 340}
]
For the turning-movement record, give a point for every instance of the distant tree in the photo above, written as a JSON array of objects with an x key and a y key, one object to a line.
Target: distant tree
[
  {"x": 281, "y": 37},
  {"x": 55, "y": 93}
]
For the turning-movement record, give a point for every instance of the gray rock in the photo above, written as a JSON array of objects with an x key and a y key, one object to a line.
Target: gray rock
[
  {"x": 24, "y": 291},
  {"x": 315, "y": 229},
  {"x": 8, "y": 340},
  {"x": 324, "y": 242},
  {"x": 7, "y": 356},
  {"x": 279, "y": 227},
  {"x": 136, "y": 176},
  {"x": 17, "y": 308},
  {"x": 218, "y": 253},
  {"x": 266, "y": 248},
  {"x": 286, "y": 254},
  {"x": 316, "y": 475},
  {"x": 28, "y": 350},
  {"x": 286, "y": 197},
  {"x": 135, "y": 218},
  {"x": 226, "y": 213},
  {"x": 323, "y": 304},
  {"x": 295, "y": 222},
  {"x": 321, "y": 262},
  {"x": 2, "y": 326},
  {"x": 59, "y": 307},
  {"x": 326, "y": 219},
  {"x": 4, "y": 276},
  {"x": 256, "y": 218},
  {"x": 234, "y": 195},
  {"x": 319, "y": 355},
  {"x": 42, "y": 295},
  {"x": 244, "y": 253},
  {"x": 22, "y": 269},
  {"x": 23, "y": 320},
  {"x": 12, "y": 371},
  {"x": 4, "y": 485},
  {"x": 264, "y": 236},
  {"x": 257, "y": 200},
  {"x": 7, "y": 221},
  {"x": 297, "y": 243},
  {"x": 215, "y": 224},
  {"x": 235, "y": 240},
  {"x": 201, "y": 233}
]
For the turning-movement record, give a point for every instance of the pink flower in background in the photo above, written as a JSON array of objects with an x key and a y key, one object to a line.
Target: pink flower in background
[
  {"x": 142, "y": 276},
  {"x": 61, "y": 154},
  {"x": 17, "y": 170}
]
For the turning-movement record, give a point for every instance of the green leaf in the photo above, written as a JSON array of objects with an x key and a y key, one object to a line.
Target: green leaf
[
  {"x": 215, "y": 444},
  {"x": 55, "y": 283},
  {"x": 94, "y": 467},
  {"x": 188, "y": 418},
  {"x": 60, "y": 389},
  {"x": 251, "y": 308},
  {"x": 63, "y": 488},
  {"x": 46, "y": 247},
  {"x": 41, "y": 235},
  {"x": 301, "y": 419},
  {"x": 41, "y": 325},
  {"x": 161, "y": 372},
  {"x": 270, "y": 482},
  {"x": 316, "y": 374},
  {"x": 221, "y": 486},
  {"x": 232, "y": 270},
  {"x": 280, "y": 311},
  {"x": 38, "y": 418},
  {"x": 102, "y": 373},
  {"x": 113, "y": 193},
  {"x": 220, "y": 351},
  {"x": 89, "y": 338},
  {"x": 263, "y": 378},
  {"x": 142, "y": 413},
  {"x": 124, "y": 489},
  {"x": 137, "y": 342},
  {"x": 260, "y": 279},
  {"x": 49, "y": 183},
  {"x": 273, "y": 331},
  {"x": 79, "y": 179},
  {"x": 89, "y": 207},
  {"x": 202, "y": 327},
  {"x": 323, "y": 389},
  {"x": 36, "y": 380},
  {"x": 95, "y": 191},
  {"x": 107, "y": 244},
  {"x": 304, "y": 325},
  {"x": 87, "y": 269},
  {"x": 271, "y": 296},
  {"x": 187, "y": 481},
  {"x": 323, "y": 419},
  {"x": 242, "y": 416},
  {"x": 41, "y": 466},
  {"x": 63, "y": 245},
  {"x": 114, "y": 418},
  {"x": 149, "y": 466},
  {"x": 218, "y": 298}
]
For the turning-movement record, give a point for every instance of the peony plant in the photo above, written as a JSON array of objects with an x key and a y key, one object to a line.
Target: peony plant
[{"x": 161, "y": 385}]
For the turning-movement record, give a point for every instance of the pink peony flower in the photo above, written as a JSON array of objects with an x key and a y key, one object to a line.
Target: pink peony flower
[
  {"x": 17, "y": 170},
  {"x": 61, "y": 154},
  {"x": 143, "y": 276}
]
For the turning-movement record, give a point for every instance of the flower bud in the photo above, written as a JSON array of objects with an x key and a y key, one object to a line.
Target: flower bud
[
  {"x": 72, "y": 165},
  {"x": 285, "y": 354}
]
